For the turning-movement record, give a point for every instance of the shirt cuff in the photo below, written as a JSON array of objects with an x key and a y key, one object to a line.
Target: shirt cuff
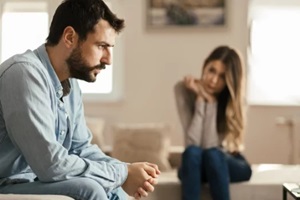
[{"x": 123, "y": 173}]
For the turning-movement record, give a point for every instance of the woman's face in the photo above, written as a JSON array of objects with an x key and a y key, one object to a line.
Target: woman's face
[{"x": 213, "y": 77}]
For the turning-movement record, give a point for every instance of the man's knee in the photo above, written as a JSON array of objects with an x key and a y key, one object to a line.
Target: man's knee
[{"x": 85, "y": 188}]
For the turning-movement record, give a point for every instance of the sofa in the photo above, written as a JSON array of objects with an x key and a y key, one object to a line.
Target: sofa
[
  {"x": 265, "y": 183},
  {"x": 151, "y": 142}
]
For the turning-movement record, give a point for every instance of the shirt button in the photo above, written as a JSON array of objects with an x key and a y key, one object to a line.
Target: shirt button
[{"x": 62, "y": 132}]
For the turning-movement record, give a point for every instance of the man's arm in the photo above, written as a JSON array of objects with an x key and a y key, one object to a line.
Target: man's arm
[
  {"x": 30, "y": 122},
  {"x": 138, "y": 173}
]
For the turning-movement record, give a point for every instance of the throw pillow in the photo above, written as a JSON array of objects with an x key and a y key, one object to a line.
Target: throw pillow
[{"x": 147, "y": 142}]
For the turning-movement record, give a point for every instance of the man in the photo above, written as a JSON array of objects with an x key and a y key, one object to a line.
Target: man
[{"x": 44, "y": 142}]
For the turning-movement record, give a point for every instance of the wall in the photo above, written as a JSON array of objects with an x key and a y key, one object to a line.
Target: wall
[
  {"x": 272, "y": 134},
  {"x": 154, "y": 60}
]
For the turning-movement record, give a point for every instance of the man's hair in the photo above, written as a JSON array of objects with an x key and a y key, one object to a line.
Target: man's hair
[{"x": 82, "y": 15}]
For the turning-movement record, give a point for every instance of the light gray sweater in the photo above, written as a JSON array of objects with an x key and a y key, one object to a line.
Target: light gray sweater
[{"x": 198, "y": 119}]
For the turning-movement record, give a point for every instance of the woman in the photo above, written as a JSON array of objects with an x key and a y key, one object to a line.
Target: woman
[{"x": 211, "y": 112}]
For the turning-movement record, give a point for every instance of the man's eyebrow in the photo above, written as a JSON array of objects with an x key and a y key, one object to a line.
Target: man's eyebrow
[{"x": 105, "y": 44}]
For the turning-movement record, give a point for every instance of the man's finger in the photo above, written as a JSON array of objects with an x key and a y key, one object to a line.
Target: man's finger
[
  {"x": 142, "y": 192},
  {"x": 148, "y": 187},
  {"x": 153, "y": 181},
  {"x": 150, "y": 170},
  {"x": 155, "y": 167},
  {"x": 137, "y": 196}
]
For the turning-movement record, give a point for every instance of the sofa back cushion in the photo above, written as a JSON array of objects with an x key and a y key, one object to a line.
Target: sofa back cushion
[{"x": 148, "y": 142}]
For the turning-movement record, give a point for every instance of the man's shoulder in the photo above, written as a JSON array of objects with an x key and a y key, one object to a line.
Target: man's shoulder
[{"x": 27, "y": 58}]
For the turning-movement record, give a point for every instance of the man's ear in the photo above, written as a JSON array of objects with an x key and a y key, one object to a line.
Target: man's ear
[{"x": 70, "y": 37}]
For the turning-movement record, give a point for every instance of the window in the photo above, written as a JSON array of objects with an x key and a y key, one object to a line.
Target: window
[
  {"x": 25, "y": 25},
  {"x": 107, "y": 86},
  {"x": 102, "y": 85},
  {"x": 274, "y": 64}
]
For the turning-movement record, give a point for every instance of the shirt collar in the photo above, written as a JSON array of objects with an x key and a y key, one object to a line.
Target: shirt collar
[{"x": 43, "y": 56}]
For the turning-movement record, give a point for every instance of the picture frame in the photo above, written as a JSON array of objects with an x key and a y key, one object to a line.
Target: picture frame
[{"x": 186, "y": 13}]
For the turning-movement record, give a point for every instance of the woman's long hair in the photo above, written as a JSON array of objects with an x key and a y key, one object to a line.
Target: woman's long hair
[{"x": 230, "y": 115}]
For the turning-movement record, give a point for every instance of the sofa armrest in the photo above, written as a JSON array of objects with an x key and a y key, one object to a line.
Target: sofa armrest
[{"x": 175, "y": 156}]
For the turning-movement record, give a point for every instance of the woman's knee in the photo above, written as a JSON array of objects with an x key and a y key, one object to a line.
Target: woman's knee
[
  {"x": 247, "y": 173},
  {"x": 213, "y": 157},
  {"x": 192, "y": 152}
]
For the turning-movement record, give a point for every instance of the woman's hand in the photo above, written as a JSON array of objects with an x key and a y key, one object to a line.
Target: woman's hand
[
  {"x": 197, "y": 86},
  {"x": 190, "y": 83},
  {"x": 210, "y": 98}
]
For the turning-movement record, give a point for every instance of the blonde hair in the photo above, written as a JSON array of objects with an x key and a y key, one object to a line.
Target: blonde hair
[{"x": 230, "y": 117}]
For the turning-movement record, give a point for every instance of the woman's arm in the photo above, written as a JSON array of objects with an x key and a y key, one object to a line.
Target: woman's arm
[
  {"x": 210, "y": 137},
  {"x": 191, "y": 113}
]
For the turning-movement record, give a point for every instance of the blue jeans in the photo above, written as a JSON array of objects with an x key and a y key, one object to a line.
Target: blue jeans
[
  {"x": 213, "y": 166},
  {"x": 77, "y": 188}
]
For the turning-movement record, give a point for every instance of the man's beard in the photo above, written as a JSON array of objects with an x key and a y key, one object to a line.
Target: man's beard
[{"x": 79, "y": 68}]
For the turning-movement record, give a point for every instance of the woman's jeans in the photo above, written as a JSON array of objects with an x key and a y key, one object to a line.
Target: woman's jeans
[
  {"x": 77, "y": 188},
  {"x": 213, "y": 166}
]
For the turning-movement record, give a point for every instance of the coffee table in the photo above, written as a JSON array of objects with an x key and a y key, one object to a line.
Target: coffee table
[{"x": 291, "y": 188}]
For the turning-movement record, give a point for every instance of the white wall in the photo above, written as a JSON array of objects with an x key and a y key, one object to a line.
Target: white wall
[{"x": 154, "y": 60}]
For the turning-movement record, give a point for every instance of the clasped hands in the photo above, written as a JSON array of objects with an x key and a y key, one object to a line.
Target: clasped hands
[
  {"x": 197, "y": 86},
  {"x": 142, "y": 176}
]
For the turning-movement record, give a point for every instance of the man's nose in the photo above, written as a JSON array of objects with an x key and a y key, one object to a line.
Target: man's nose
[{"x": 106, "y": 57}]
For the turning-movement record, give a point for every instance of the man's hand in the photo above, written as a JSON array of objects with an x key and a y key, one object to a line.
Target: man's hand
[
  {"x": 148, "y": 186},
  {"x": 141, "y": 178}
]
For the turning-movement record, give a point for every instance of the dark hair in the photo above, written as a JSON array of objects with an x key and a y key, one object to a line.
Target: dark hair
[
  {"x": 230, "y": 108},
  {"x": 82, "y": 15}
]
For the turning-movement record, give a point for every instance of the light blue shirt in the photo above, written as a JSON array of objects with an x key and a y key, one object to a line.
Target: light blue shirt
[{"x": 40, "y": 135}]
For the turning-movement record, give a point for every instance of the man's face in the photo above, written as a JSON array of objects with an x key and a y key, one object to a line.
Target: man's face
[{"x": 91, "y": 55}]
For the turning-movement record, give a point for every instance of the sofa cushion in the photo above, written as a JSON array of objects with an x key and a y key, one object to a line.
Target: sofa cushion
[
  {"x": 96, "y": 126},
  {"x": 142, "y": 142},
  {"x": 265, "y": 184}
]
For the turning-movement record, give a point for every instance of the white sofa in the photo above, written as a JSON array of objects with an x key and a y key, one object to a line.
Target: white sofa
[
  {"x": 265, "y": 184},
  {"x": 151, "y": 140}
]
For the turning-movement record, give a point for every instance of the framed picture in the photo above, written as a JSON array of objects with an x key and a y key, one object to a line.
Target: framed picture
[{"x": 186, "y": 13}]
